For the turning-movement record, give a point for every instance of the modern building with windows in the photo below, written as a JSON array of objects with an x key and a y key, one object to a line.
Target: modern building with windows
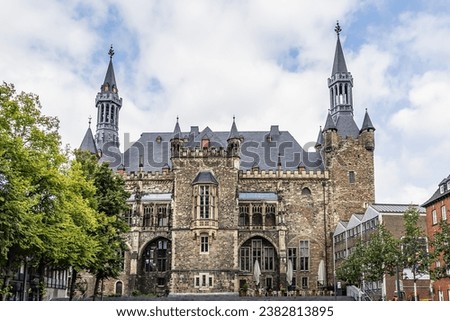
[
  {"x": 437, "y": 209},
  {"x": 359, "y": 228},
  {"x": 208, "y": 207}
]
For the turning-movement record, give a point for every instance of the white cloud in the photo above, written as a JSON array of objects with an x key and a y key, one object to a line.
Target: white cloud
[
  {"x": 209, "y": 60},
  {"x": 428, "y": 115}
]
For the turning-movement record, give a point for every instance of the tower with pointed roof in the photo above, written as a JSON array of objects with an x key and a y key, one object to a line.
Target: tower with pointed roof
[
  {"x": 108, "y": 104},
  {"x": 88, "y": 143},
  {"x": 234, "y": 144},
  {"x": 347, "y": 150}
]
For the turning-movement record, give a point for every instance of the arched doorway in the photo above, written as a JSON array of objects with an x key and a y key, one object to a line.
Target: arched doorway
[
  {"x": 119, "y": 288},
  {"x": 154, "y": 271},
  {"x": 259, "y": 249}
]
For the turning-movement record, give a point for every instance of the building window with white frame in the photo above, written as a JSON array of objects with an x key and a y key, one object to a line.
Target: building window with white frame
[
  {"x": 433, "y": 217},
  {"x": 443, "y": 213},
  {"x": 205, "y": 202},
  {"x": 304, "y": 255},
  {"x": 204, "y": 244},
  {"x": 204, "y": 280}
]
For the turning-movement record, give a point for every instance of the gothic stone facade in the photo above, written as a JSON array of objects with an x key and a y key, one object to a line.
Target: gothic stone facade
[{"x": 209, "y": 208}]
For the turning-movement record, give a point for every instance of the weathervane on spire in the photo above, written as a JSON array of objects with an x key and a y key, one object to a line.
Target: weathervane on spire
[
  {"x": 338, "y": 28},
  {"x": 90, "y": 118},
  {"x": 111, "y": 52}
]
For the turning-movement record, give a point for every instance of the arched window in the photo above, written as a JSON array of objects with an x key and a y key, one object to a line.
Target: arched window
[
  {"x": 155, "y": 257},
  {"x": 270, "y": 215},
  {"x": 113, "y": 114},
  {"x": 257, "y": 249},
  {"x": 107, "y": 113},
  {"x": 244, "y": 218},
  {"x": 119, "y": 288},
  {"x": 257, "y": 215},
  {"x": 306, "y": 191},
  {"x": 102, "y": 113}
]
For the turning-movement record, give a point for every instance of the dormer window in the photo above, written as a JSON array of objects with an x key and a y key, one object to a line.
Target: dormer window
[
  {"x": 448, "y": 186},
  {"x": 441, "y": 189}
]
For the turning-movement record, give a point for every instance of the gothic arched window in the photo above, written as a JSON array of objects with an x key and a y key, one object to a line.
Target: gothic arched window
[{"x": 155, "y": 257}]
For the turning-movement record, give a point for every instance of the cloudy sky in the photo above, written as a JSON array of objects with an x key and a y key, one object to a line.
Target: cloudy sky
[{"x": 266, "y": 62}]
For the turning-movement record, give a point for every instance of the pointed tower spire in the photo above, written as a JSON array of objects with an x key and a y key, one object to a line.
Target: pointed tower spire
[
  {"x": 88, "y": 143},
  {"x": 109, "y": 84},
  {"x": 233, "y": 131},
  {"x": 339, "y": 64},
  {"x": 176, "y": 142},
  {"x": 177, "y": 130},
  {"x": 340, "y": 83},
  {"x": 329, "y": 124},
  {"x": 108, "y": 105},
  {"x": 234, "y": 143},
  {"x": 367, "y": 123}
]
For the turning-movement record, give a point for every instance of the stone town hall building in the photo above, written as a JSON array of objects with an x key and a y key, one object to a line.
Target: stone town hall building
[{"x": 207, "y": 205}]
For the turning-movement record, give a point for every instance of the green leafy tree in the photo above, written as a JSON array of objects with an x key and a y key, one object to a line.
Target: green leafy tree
[
  {"x": 30, "y": 159},
  {"x": 110, "y": 203},
  {"x": 45, "y": 212},
  {"x": 380, "y": 255},
  {"x": 371, "y": 259},
  {"x": 351, "y": 269},
  {"x": 440, "y": 250},
  {"x": 414, "y": 247}
]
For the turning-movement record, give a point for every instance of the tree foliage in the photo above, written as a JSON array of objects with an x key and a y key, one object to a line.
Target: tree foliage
[
  {"x": 414, "y": 255},
  {"x": 110, "y": 203},
  {"x": 53, "y": 212},
  {"x": 440, "y": 245},
  {"x": 381, "y": 253},
  {"x": 45, "y": 214},
  {"x": 371, "y": 259}
]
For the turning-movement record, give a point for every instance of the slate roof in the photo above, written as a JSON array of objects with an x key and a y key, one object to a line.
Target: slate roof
[
  {"x": 346, "y": 126},
  {"x": 339, "y": 64},
  {"x": 233, "y": 131},
  {"x": 329, "y": 124},
  {"x": 205, "y": 178},
  {"x": 88, "y": 142},
  {"x": 319, "y": 141},
  {"x": 110, "y": 78},
  {"x": 437, "y": 195},
  {"x": 256, "y": 150},
  {"x": 367, "y": 123}
]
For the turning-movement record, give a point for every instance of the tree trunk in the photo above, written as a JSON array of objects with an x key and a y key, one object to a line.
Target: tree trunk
[
  {"x": 97, "y": 283},
  {"x": 41, "y": 271},
  {"x": 73, "y": 282}
]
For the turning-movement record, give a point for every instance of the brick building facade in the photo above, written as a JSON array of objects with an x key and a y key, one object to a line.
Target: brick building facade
[
  {"x": 208, "y": 206},
  {"x": 437, "y": 209}
]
